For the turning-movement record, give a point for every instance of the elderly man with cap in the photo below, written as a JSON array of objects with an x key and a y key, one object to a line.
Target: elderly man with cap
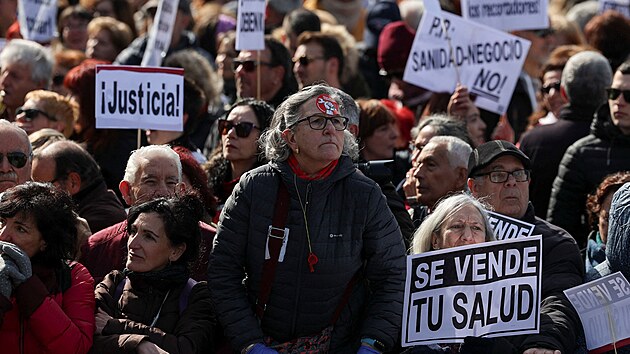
[{"x": 499, "y": 173}]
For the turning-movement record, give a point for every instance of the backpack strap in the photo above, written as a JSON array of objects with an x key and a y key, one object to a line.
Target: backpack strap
[{"x": 275, "y": 238}]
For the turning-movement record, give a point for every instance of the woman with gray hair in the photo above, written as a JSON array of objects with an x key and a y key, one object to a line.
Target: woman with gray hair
[
  {"x": 310, "y": 234},
  {"x": 456, "y": 221}
]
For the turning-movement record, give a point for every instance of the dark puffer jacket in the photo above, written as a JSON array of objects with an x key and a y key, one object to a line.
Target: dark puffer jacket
[
  {"x": 183, "y": 325},
  {"x": 562, "y": 268},
  {"x": 351, "y": 230},
  {"x": 585, "y": 164}
]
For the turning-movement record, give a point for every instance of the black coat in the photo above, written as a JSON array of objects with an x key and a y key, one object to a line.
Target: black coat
[
  {"x": 584, "y": 165},
  {"x": 351, "y": 230},
  {"x": 546, "y": 144}
]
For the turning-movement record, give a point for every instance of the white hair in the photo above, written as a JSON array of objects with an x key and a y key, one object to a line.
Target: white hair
[
  {"x": 147, "y": 153},
  {"x": 458, "y": 150}
]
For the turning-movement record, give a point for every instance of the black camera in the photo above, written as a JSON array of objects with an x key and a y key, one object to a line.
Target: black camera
[{"x": 377, "y": 170}]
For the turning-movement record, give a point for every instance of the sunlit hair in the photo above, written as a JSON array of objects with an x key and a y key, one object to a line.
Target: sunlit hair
[
  {"x": 609, "y": 186},
  {"x": 148, "y": 153},
  {"x": 290, "y": 111},
  {"x": 444, "y": 210},
  {"x": 38, "y": 58},
  {"x": 458, "y": 151},
  {"x": 6, "y": 125},
  {"x": 57, "y": 106},
  {"x": 119, "y": 32}
]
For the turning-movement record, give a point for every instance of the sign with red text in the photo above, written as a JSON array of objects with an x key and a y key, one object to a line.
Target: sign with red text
[
  {"x": 604, "y": 309},
  {"x": 488, "y": 289},
  {"x": 507, "y": 15},
  {"x": 250, "y": 25},
  {"x": 38, "y": 20},
  {"x": 139, "y": 97},
  {"x": 448, "y": 50}
]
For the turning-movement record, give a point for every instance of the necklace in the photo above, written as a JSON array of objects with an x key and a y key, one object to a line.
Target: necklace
[{"x": 312, "y": 258}]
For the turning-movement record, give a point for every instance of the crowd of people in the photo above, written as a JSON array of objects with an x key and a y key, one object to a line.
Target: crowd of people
[{"x": 279, "y": 219}]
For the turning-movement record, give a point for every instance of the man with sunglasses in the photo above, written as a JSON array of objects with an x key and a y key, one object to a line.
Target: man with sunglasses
[
  {"x": 583, "y": 82},
  {"x": 499, "y": 173},
  {"x": 15, "y": 156},
  {"x": 276, "y": 77},
  {"x": 318, "y": 57},
  {"x": 585, "y": 164}
]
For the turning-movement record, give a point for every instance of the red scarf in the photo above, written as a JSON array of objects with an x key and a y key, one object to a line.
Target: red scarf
[{"x": 323, "y": 173}]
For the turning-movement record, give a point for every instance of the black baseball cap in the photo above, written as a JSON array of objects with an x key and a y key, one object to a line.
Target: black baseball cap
[{"x": 485, "y": 153}]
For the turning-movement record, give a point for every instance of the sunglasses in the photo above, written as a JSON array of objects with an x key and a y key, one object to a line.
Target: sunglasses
[
  {"x": 614, "y": 93},
  {"x": 304, "y": 60},
  {"x": 543, "y": 33},
  {"x": 248, "y": 65},
  {"x": 547, "y": 88},
  {"x": 17, "y": 159},
  {"x": 242, "y": 129},
  {"x": 32, "y": 113}
]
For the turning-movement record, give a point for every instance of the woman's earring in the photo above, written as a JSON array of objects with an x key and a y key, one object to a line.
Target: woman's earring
[{"x": 297, "y": 151}]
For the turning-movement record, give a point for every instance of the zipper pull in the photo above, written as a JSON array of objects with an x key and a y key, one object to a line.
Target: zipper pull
[{"x": 312, "y": 260}]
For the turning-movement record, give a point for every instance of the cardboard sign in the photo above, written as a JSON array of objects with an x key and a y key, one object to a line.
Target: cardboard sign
[
  {"x": 139, "y": 97},
  {"x": 507, "y": 15},
  {"x": 490, "y": 289},
  {"x": 604, "y": 309},
  {"x": 38, "y": 19},
  {"x": 448, "y": 49},
  {"x": 621, "y": 6},
  {"x": 505, "y": 227},
  {"x": 160, "y": 34},
  {"x": 250, "y": 25}
]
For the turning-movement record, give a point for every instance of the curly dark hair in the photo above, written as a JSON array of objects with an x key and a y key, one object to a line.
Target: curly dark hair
[
  {"x": 53, "y": 213},
  {"x": 181, "y": 216},
  {"x": 609, "y": 185}
]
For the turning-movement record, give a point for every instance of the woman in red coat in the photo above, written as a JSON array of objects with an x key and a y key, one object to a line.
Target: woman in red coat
[{"x": 46, "y": 300}]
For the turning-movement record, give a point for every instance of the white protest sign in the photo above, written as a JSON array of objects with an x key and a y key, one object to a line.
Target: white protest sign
[
  {"x": 604, "y": 309},
  {"x": 490, "y": 289},
  {"x": 621, "y": 6},
  {"x": 507, "y": 15},
  {"x": 38, "y": 19},
  {"x": 484, "y": 59},
  {"x": 505, "y": 227},
  {"x": 160, "y": 34},
  {"x": 139, "y": 97},
  {"x": 250, "y": 25}
]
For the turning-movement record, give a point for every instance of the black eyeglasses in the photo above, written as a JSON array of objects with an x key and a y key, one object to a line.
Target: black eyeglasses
[
  {"x": 17, "y": 159},
  {"x": 317, "y": 122},
  {"x": 32, "y": 113},
  {"x": 502, "y": 176},
  {"x": 547, "y": 88},
  {"x": 242, "y": 129},
  {"x": 614, "y": 93},
  {"x": 248, "y": 65},
  {"x": 304, "y": 60}
]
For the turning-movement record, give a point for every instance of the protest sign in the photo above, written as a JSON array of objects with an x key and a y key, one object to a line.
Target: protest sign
[
  {"x": 507, "y": 15},
  {"x": 505, "y": 227},
  {"x": 139, "y": 97},
  {"x": 604, "y": 309},
  {"x": 490, "y": 289},
  {"x": 448, "y": 49},
  {"x": 621, "y": 6},
  {"x": 250, "y": 25},
  {"x": 160, "y": 34},
  {"x": 38, "y": 19}
]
